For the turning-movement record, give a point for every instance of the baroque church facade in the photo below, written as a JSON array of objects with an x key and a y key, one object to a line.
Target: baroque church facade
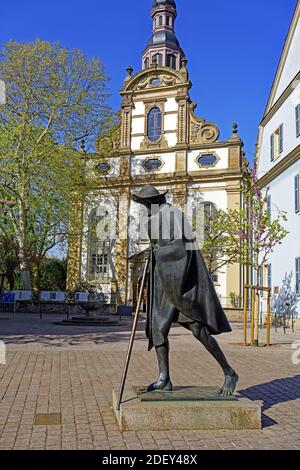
[{"x": 159, "y": 141}]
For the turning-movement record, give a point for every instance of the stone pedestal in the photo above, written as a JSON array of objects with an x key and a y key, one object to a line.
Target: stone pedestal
[{"x": 186, "y": 408}]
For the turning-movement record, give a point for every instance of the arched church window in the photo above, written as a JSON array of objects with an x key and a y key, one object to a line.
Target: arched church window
[
  {"x": 168, "y": 20},
  {"x": 160, "y": 21},
  {"x": 159, "y": 59},
  {"x": 203, "y": 216},
  {"x": 99, "y": 252},
  {"x": 209, "y": 211},
  {"x": 171, "y": 61},
  {"x": 147, "y": 63},
  {"x": 154, "y": 124}
]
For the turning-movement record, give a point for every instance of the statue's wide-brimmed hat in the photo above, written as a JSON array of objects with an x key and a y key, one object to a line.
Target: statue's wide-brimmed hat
[{"x": 147, "y": 193}]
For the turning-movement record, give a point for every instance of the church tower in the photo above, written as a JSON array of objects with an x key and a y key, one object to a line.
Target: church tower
[
  {"x": 163, "y": 46},
  {"x": 159, "y": 141}
]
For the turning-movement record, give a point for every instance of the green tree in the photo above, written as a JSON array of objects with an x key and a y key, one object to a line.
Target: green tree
[
  {"x": 55, "y": 98},
  {"x": 262, "y": 229},
  {"x": 217, "y": 234},
  {"x": 8, "y": 262},
  {"x": 53, "y": 275}
]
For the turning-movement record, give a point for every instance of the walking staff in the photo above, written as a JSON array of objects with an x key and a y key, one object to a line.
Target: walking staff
[{"x": 133, "y": 332}]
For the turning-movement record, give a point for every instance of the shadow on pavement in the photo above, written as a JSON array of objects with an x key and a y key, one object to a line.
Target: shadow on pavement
[
  {"x": 46, "y": 333},
  {"x": 273, "y": 393}
]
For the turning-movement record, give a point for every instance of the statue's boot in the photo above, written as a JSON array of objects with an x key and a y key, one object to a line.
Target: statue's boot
[
  {"x": 231, "y": 378},
  {"x": 163, "y": 383}
]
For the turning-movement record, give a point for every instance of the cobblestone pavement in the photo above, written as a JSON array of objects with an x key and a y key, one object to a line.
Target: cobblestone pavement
[{"x": 72, "y": 371}]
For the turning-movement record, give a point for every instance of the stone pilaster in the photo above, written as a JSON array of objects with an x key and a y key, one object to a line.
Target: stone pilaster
[
  {"x": 182, "y": 128},
  {"x": 121, "y": 257},
  {"x": 127, "y": 106},
  {"x": 125, "y": 166},
  {"x": 235, "y": 152},
  {"x": 75, "y": 242},
  {"x": 181, "y": 163},
  {"x": 234, "y": 157},
  {"x": 179, "y": 196}
]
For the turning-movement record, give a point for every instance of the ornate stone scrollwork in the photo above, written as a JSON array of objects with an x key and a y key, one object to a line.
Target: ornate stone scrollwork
[
  {"x": 194, "y": 131},
  {"x": 117, "y": 139},
  {"x": 208, "y": 133},
  {"x": 127, "y": 101},
  {"x": 110, "y": 142},
  {"x": 167, "y": 80},
  {"x": 160, "y": 81},
  {"x": 202, "y": 132},
  {"x": 143, "y": 84}
]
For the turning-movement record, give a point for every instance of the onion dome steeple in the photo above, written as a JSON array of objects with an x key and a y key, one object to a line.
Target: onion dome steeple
[{"x": 163, "y": 47}]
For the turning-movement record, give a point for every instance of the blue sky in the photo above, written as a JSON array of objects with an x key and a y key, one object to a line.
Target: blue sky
[{"x": 233, "y": 46}]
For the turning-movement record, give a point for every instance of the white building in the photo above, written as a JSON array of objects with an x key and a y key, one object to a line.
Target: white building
[{"x": 279, "y": 158}]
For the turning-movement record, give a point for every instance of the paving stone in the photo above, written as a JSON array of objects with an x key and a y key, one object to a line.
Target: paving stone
[{"x": 77, "y": 377}]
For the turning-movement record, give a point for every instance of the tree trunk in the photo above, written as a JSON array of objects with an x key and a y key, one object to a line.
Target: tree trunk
[
  {"x": 11, "y": 280},
  {"x": 36, "y": 278},
  {"x": 2, "y": 282},
  {"x": 21, "y": 231},
  {"x": 24, "y": 269},
  {"x": 25, "y": 277},
  {"x": 256, "y": 309}
]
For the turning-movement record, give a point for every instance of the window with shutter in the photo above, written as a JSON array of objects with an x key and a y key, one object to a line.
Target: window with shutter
[
  {"x": 272, "y": 141},
  {"x": 297, "y": 196},
  {"x": 280, "y": 139},
  {"x": 298, "y": 275},
  {"x": 276, "y": 143},
  {"x": 298, "y": 120}
]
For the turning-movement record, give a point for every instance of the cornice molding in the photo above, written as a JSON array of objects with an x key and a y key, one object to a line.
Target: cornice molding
[
  {"x": 191, "y": 147},
  {"x": 282, "y": 166},
  {"x": 284, "y": 55},
  {"x": 281, "y": 100},
  {"x": 202, "y": 177}
]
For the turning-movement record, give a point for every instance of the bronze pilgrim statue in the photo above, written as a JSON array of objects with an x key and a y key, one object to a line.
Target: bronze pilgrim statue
[{"x": 179, "y": 289}]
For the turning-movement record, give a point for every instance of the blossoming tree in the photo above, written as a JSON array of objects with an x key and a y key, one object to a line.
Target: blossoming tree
[{"x": 261, "y": 230}]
